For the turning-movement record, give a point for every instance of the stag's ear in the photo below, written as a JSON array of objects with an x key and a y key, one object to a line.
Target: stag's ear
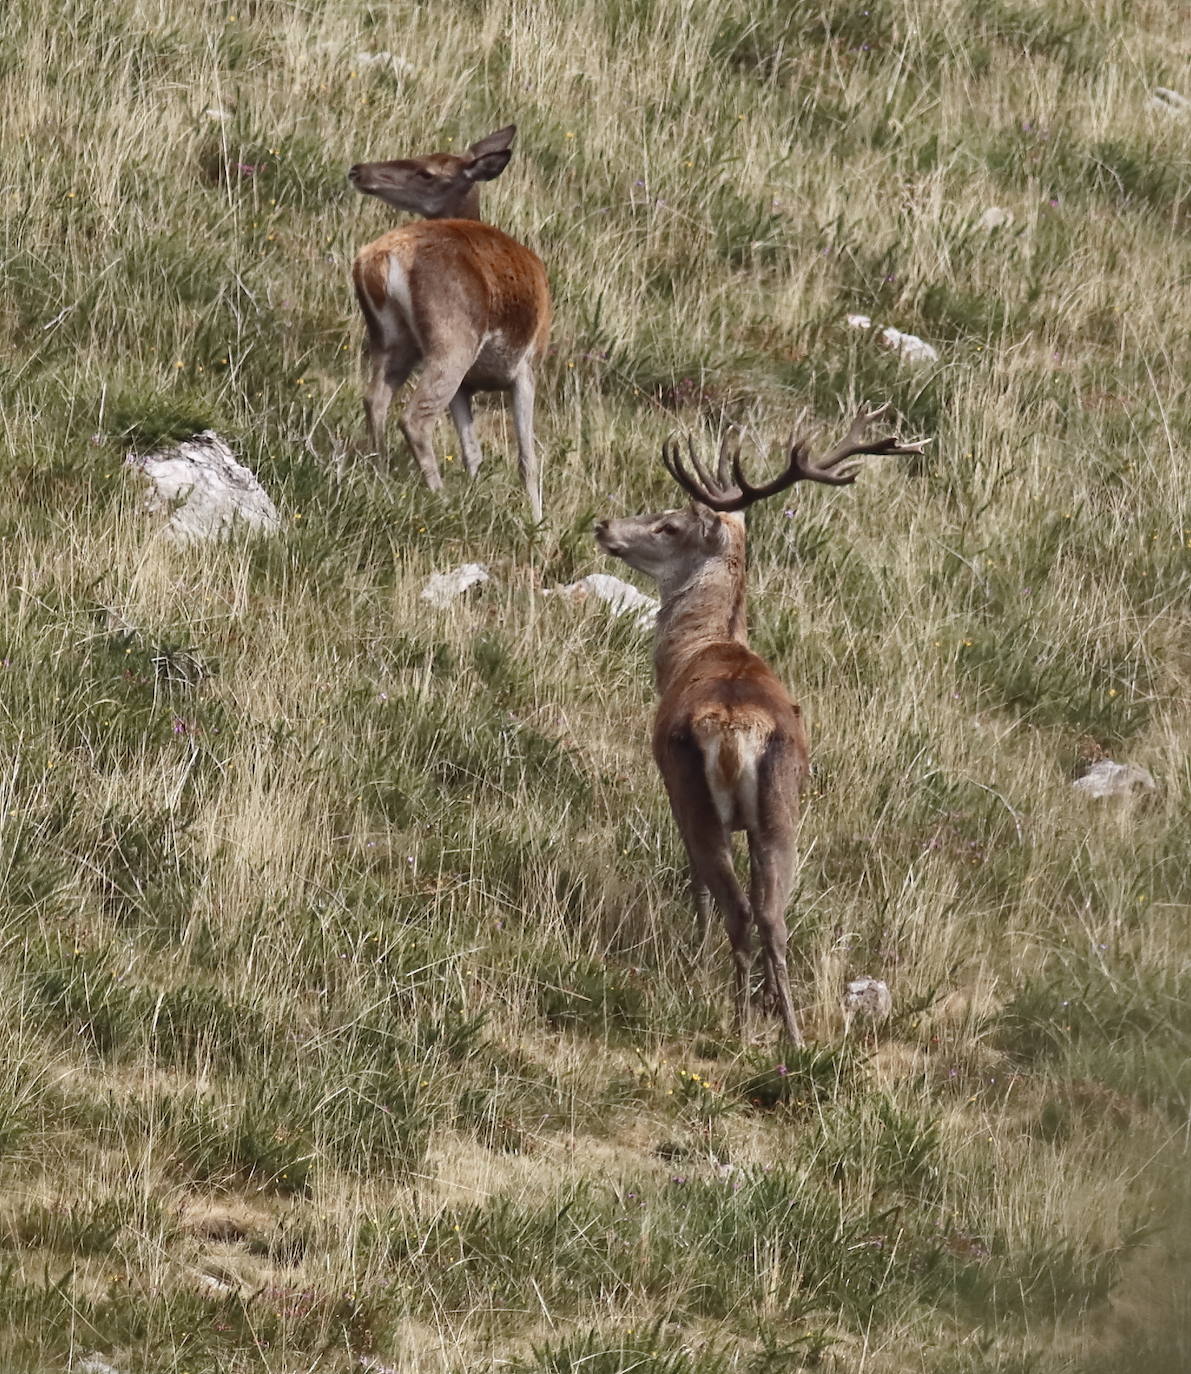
[
  {"x": 490, "y": 156},
  {"x": 711, "y": 527}
]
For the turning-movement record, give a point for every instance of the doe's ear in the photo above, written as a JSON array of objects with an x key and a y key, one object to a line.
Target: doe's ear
[
  {"x": 498, "y": 142},
  {"x": 487, "y": 165},
  {"x": 490, "y": 155}
]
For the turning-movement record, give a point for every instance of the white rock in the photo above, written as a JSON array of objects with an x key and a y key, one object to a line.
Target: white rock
[
  {"x": 217, "y": 1286},
  {"x": 869, "y": 999},
  {"x": 1109, "y": 779},
  {"x": 443, "y": 588},
  {"x": 215, "y": 113},
  {"x": 910, "y": 346},
  {"x": 995, "y": 217},
  {"x": 372, "y": 59},
  {"x": 620, "y": 597},
  {"x": 207, "y": 490},
  {"x": 1170, "y": 102}
]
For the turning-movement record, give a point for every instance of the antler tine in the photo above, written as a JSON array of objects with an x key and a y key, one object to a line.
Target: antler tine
[
  {"x": 743, "y": 484},
  {"x": 710, "y": 487},
  {"x": 853, "y": 444},
  {"x": 807, "y": 471},
  {"x": 701, "y": 487},
  {"x": 790, "y": 474},
  {"x": 729, "y": 451},
  {"x": 673, "y": 463}
]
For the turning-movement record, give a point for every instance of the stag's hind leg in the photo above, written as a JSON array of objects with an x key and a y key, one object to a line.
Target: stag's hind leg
[
  {"x": 772, "y": 877},
  {"x": 772, "y": 862},
  {"x": 709, "y": 848},
  {"x": 716, "y": 872}
]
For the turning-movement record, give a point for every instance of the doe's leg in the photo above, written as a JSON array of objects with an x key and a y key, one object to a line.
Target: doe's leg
[
  {"x": 465, "y": 426},
  {"x": 441, "y": 378},
  {"x": 523, "y": 396},
  {"x": 391, "y": 367}
]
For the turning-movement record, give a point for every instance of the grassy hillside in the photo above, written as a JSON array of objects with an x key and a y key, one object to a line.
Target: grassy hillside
[{"x": 350, "y": 1016}]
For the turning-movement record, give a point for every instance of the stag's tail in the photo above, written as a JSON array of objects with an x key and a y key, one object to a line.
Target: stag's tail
[{"x": 733, "y": 751}]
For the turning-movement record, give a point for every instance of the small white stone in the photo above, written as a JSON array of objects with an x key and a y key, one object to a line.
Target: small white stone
[
  {"x": 1170, "y": 102},
  {"x": 621, "y": 597},
  {"x": 995, "y": 217},
  {"x": 214, "y": 1285},
  {"x": 372, "y": 59},
  {"x": 910, "y": 346},
  {"x": 208, "y": 492},
  {"x": 869, "y": 999},
  {"x": 215, "y": 113},
  {"x": 443, "y": 588},
  {"x": 94, "y": 1364},
  {"x": 1109, "y": 779}
]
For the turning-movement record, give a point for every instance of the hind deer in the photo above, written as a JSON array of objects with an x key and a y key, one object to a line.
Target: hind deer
[
  {"x": 728, "y": 740},
  {"x": 461, "y": 298}
]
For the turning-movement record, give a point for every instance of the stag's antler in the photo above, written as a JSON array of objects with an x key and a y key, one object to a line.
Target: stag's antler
[{"x": 720, "y": 494}]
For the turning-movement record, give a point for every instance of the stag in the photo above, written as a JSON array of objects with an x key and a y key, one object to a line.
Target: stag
[
  {"x": 459, "y": 297},
  {"x": 728, "y": 739}
]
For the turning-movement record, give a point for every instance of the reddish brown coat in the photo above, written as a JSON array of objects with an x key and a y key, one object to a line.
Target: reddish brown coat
[
  {"x": 455, "y": 297},
  {"x": 497, "y": 282}
]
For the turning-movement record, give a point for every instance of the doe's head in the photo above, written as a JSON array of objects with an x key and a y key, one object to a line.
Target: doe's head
[{"x": 440, "y": 185}]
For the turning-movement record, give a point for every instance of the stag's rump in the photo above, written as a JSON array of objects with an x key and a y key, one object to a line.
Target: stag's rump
[{"x": 733, "y": 713}]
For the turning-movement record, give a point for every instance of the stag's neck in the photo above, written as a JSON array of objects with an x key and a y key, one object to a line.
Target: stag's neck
[
  {"x": 708, "y": 607},
  {"x": 467, "y": 208}
]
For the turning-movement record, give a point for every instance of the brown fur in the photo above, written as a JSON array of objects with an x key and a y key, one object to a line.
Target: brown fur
[
  {"x": 500, "y": 281},
  {"x": 727, "y": 739},
  {"x": 456, "y": 297}
]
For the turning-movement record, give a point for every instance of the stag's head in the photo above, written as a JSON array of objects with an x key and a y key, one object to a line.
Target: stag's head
[
  {"x": 441, "y": 186},
  {"x": 671, "y": 545}
]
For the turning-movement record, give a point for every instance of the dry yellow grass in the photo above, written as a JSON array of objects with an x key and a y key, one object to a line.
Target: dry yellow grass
[{"x": 378, "y": 929}]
